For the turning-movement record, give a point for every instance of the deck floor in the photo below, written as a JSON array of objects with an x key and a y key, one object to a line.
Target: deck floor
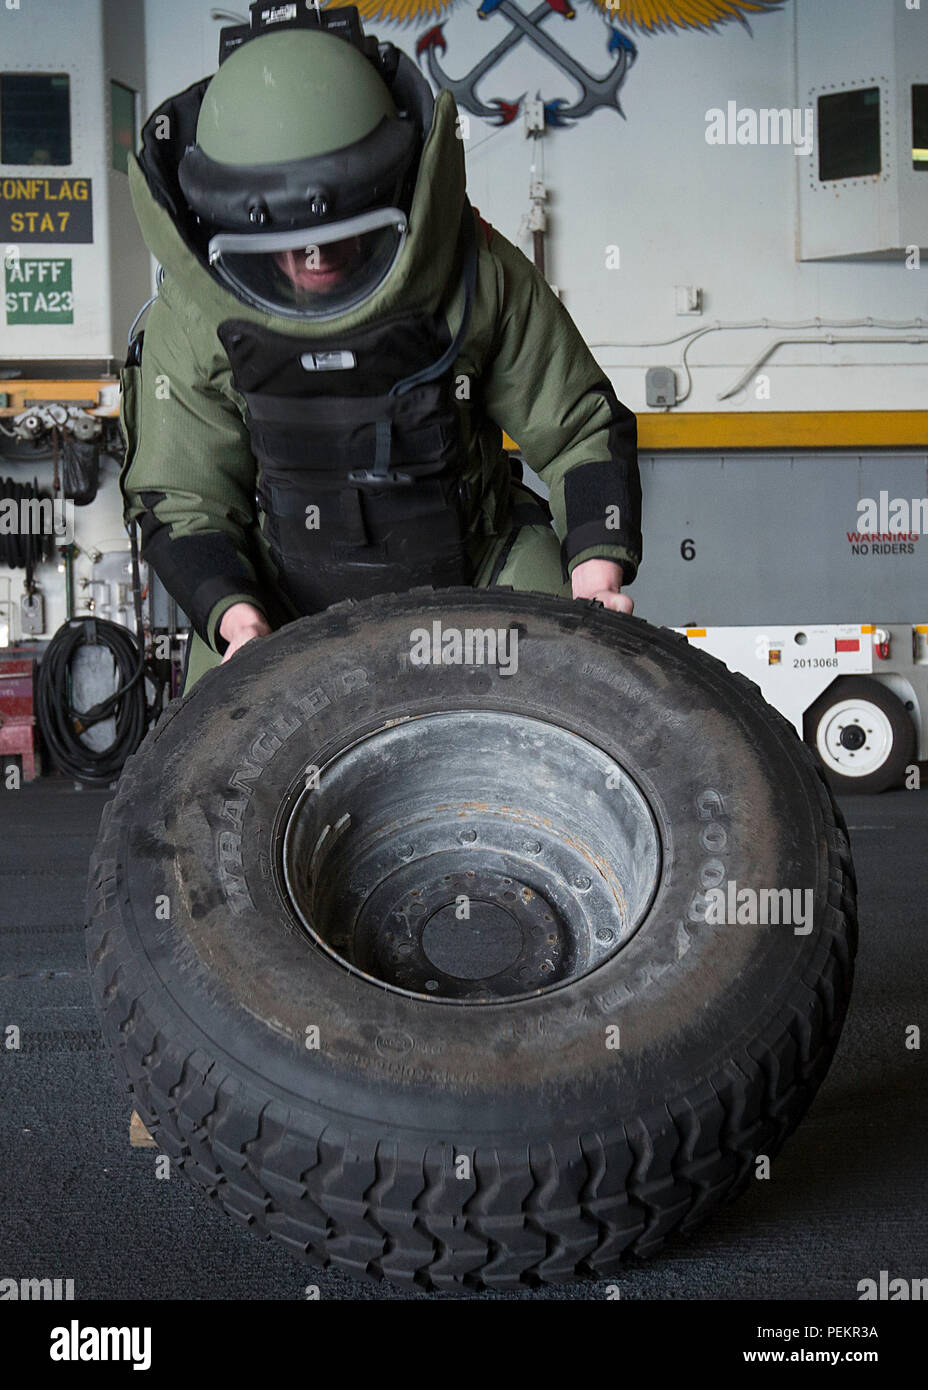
[{"x": 846, "y": 1198}]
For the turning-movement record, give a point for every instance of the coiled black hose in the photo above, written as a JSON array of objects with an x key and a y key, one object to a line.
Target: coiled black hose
[
  {"x": 22, "y": 548},
  {"x": 61, "y": 724}
]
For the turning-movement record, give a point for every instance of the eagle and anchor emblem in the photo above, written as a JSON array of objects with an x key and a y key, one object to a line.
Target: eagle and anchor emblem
[{"x": 534, "y": 27}]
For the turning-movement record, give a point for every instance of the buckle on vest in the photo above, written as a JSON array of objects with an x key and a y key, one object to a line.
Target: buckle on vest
[
  {"x": 381, "y": 475},
  {"x": 369, "y": 477}
]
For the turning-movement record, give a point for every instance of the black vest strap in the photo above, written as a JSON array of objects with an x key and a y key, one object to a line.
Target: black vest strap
[
  {"x": 382, "y": 474},
  {"x": 446, "y": 361}
]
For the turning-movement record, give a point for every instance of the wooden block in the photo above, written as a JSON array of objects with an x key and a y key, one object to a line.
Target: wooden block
[{"x": 139, "y": 1137}]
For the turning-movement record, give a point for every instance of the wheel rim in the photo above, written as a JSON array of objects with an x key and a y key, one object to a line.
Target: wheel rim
[
  {"x": 469, "y": 856},
  {"x": 854, "y": 738}
]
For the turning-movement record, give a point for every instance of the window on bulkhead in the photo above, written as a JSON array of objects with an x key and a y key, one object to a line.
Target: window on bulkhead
[
  {"x": 122, "y": 124},
  {"x": 35, "y": 118},
  {"x": 849, "y": 134}
]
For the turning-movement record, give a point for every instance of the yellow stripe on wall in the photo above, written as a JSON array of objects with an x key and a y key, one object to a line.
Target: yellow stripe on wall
[
  {"x": 787, "y": 429},
  {"x": 779, "y": 429}
]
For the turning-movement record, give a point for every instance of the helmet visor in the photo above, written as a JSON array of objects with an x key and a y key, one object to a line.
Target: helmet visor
[{"x": 311, "y": 273}]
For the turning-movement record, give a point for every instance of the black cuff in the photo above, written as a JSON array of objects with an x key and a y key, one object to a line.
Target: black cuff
[
  {"x": 593, "y": 534},
  {"x": 606, "y": 491},
  {"x": 196, "y": 570},
  {"x": 593, "y": 494}
]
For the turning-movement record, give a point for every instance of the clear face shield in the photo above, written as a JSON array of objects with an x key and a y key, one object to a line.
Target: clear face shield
[{"x": 311, "y": 273}]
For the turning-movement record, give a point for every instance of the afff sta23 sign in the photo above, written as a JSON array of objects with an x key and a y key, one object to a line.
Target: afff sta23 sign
[{"x": 38, "y": 290}]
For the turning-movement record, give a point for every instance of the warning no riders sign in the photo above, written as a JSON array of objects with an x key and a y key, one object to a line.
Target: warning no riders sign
[{"x": 46, "y": 210}]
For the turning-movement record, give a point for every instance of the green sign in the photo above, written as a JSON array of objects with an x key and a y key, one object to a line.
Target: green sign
[{"x": 38, "y": 290}]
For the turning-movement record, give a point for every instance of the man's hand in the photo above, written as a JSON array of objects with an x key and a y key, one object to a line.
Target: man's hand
[
  {"x": 602, "y": 580},
  {"x": 239, "y": 624}
]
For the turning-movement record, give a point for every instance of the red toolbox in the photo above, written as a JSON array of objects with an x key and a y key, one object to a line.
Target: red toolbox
[{"x": 17, "y": 709}]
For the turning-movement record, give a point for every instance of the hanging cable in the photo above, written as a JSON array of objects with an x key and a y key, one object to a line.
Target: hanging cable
[
  {"x": 721, "y": 326},
  {"x": 62, "y": 725}
]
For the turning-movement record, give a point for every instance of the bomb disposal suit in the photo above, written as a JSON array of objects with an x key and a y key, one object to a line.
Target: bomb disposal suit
[{"x": 314, "y": 410}]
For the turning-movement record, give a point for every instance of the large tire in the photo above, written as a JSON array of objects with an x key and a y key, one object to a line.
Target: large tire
[
  {"x": 862, "y": 735},
  {"x": 444, "y": 1141}
]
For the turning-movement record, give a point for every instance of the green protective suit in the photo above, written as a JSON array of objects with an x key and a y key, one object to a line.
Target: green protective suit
[{"x": 190, "y": 475}]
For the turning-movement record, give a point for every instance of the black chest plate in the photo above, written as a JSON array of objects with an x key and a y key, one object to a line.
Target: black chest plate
[{"x": 360, "y": 463}]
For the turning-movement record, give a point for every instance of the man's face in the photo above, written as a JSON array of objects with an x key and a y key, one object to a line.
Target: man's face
[
  {"x": 320, "y": 268},
  {"x": 311, "y": 279}
]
